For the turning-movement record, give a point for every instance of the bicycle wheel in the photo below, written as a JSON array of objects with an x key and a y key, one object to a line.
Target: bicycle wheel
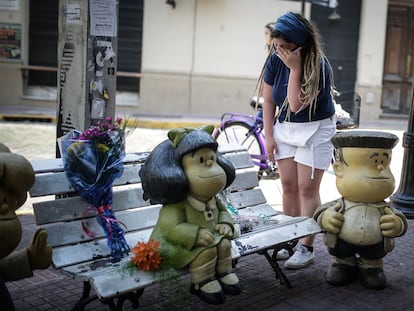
[{"x": 240, "y": 133}]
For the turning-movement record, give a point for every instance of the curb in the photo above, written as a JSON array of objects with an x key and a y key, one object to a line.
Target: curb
[
  {"x": 133, "y": 122},
  {"x": 26, "y": 117},
  {"x": 169, "y": 124}
]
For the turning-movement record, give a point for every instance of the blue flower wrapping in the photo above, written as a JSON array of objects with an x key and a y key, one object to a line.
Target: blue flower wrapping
[{"x": 91, "y": 167}]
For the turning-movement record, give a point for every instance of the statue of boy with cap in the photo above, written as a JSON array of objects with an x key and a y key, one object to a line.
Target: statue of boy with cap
[{"x": 360, "y": 227}]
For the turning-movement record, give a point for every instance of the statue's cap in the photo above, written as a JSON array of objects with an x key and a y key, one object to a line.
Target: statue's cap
[{"x": 364, "y": 139}]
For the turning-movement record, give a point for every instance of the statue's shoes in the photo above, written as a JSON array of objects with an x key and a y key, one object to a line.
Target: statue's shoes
[
  {"x": 230, "y": 283},
  {"x": 341, "y": 274},
  {"x": 202, "y": 290},
  {"x": 373, "y": 278}
]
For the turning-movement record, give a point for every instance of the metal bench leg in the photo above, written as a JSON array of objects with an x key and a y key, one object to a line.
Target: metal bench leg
[
  {"x": 133, "y": 297},
  {"x": 85, "y": 298},
  {"x": 276, "y": 268}
]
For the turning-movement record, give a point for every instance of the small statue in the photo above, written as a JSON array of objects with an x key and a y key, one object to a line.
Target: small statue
[
  {"x": 16, "y": 178},
  {"x": 360, "y": 227},
  {"x": 185, "y": 173}
]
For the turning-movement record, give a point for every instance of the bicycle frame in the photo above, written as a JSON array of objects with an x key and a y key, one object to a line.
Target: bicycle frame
[{"x": 256, "y": 126}]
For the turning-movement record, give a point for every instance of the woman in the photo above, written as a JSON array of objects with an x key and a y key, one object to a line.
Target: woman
[
  {"x": 268, "y": 28},
  {"x": 297, "y": 89}
]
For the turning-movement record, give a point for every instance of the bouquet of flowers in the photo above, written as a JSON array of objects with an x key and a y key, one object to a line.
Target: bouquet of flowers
[
  {"x": 146, "y": 255},
  {"x": 92, "y": 161}
]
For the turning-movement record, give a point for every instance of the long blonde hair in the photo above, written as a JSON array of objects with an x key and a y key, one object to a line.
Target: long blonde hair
[{"x": 312, "y": 63}]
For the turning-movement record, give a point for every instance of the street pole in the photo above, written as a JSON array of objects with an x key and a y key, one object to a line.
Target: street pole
[
  {"x": 87, "y": 62},
  {"x": 403, "y": 199}
]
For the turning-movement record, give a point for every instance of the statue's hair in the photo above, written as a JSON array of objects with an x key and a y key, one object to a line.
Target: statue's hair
[
  {"x": 163, "y": 178},
  {"x": 361, "y": 139}
]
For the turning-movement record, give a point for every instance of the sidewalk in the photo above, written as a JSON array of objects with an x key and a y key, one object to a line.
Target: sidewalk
[{"x": 50, "y": 290}]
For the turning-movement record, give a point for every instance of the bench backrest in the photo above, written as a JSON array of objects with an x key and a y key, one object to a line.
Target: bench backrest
[{"x": 60, "y": 211}]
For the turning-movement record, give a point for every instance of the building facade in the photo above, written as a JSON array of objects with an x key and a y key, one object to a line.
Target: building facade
[{"x": 203, "y": 57}]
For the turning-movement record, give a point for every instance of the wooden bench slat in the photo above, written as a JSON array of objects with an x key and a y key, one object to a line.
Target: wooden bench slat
[
  {"x": 48, "y": 184},
  {"x": 246, "y": 198},
  {"x": 56, "y": 165},
  {"x": 230, "y": 148},
  {"x": 244, "y": 180},
  {"x": 240, "y": 160},
  {"x": 68, "y": 233},
  {"x": 74, "y": 208},
  {"x": 77, "y": 256},
  {"x": 262, "y": 210},
  {"x": 57, "y": 183},
  {"x": 104, "y": 283},
  {"x": 49, "y": 165},
  {"x": 287, "y": 229}
]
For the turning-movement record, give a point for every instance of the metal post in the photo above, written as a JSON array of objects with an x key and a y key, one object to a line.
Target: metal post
[
  {"x": 403, "y": 199},
  {"x": 87, "y": 62}
]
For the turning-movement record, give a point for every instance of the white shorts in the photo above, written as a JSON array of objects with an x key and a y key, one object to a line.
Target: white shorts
[{"x": 316, "y": 151}]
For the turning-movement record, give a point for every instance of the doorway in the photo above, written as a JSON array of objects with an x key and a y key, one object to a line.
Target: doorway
[
  {"x": 340, "y": 41},
  {"x": 398, "y": 62}
]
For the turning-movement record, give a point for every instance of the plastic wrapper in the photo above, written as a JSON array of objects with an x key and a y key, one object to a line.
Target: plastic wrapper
[
  {"x": 246, "y": 223},
  {"x": 92, "y": 161}
]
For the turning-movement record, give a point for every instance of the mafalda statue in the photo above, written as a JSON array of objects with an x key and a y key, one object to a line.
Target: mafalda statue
[
  {"x": 16, "y": 178},
  {"x": 360, "y": 227},
  {"x": 185, "y": 173}
]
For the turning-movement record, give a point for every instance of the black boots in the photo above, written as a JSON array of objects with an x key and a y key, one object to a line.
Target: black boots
[{"x": 343, "y": 271}]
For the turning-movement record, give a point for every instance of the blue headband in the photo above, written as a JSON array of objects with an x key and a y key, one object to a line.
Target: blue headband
[{"x": 291, "y": 27}]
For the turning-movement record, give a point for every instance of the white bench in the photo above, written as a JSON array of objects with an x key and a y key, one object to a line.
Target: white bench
[{"x": 60, "y": 211}]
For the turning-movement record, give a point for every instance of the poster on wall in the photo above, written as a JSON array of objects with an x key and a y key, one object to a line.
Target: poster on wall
[
  {"x": 103, "y": 18},
  {"x": 12, "y": 5},
  {"x": 10, "y": 41}
]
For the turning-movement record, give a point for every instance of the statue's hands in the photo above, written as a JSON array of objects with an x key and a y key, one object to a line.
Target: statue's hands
[
  {"x": 225, "y": 230},
  {"x": 332, "y": 220},
  {"x": 390, "y": 224},
  {"x": 40, "y": 253},
  {"x": 205, "y": 237}
]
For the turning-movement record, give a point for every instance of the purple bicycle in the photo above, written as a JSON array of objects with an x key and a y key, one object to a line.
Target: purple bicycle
[{"x": 247, "y": 131}]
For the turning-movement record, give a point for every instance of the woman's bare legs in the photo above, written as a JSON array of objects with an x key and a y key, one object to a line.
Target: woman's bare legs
[
  {"x": 289, "y": 179},
  {"x": 300, "y": 193},
  {"x": 309, "y": 194}
]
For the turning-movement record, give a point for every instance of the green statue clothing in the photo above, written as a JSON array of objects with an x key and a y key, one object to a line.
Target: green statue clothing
[
  {"x": 179, "y": 223},
  {"x": 16, "y": 266}
]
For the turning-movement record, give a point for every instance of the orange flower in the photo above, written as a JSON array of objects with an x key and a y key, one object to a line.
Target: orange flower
[{"x": 146, "y": 256}]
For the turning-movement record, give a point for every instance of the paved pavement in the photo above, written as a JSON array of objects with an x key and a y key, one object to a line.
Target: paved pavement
[{"x": 50, "y": 290}]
